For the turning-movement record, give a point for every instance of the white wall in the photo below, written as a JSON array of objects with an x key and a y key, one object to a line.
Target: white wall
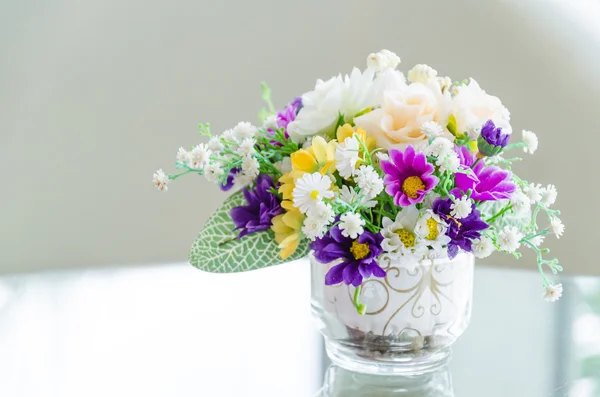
[{"x": 95, "y": 95}]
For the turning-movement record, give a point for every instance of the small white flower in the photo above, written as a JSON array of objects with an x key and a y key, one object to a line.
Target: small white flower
[
  {"x": 323, "y": 212},
  {"x": 445, "y": 83},
  {"x": 520, "y": 202},
  {"x": 246, "y": 148},
  {"x": 432, "y": 129},
  {"x": 553, "y": 293},
  {"x": 549, "y": 195},
  {"x": 229, "y": 136},
  {"x": 271, "y": 122},
  {"x": 250, "y": 167},
  {"x": 558, "y": 228},
  {"x": 537, "y": 241},
  {"x": 483, "y": 247},
  {"x": 350, "y": 196},
  {"x": 534, "y": 192},
  {"x": 199, "y": 156},
  {"x": 369, "y": 181},
  {"x": 310, "y": 190},
  {"x": 284, "y": 166},
  {"x": 351, "y": 225},
  {"x": 509, "y": 239},
  {"x": 215, "y": 144},
  {"x": 440, "y": 147},
  {"x": 461, "y": 208},
  {"x": 451, "y": 162},
  {"x": 242, "y": 179},
  {"x": 212, "y": 172},
  {"x": 382, "y": 156},
  {"x": 313, "y": 228},
  {"x": 346, "y": 156},
  {"x": 421, "y": 74},
  {"x": 160, "y": 180},
  {"x": 382, "y": 60},
  {"x": 531, "y": 142},
  {"x": 182, "y": 155},
  {"x": 244, "y": 130}
]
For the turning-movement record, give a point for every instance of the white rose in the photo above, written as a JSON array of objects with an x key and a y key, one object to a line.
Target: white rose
[
  {"x": 472, "y": 107},
  {"x": 404, "y": 109}
]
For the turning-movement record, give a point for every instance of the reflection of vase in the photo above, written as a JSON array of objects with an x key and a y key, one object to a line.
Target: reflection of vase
[
  {"x": 412, "y": 315},
  {"x": 342, "y": 383}
]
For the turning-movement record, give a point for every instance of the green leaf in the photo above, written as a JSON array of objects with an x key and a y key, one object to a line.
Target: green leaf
[{"x": 217, "y": 249}]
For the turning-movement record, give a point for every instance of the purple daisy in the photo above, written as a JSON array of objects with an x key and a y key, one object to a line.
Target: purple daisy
[
  {"x": 492, "y": 139},
  {"x": 262, "y": 207},
  {"x": 358, "y": 256},
  {"x": 463, "y": 231},
  {"x": 408, "y": 176},
  {"x": 486, "y": 183}
]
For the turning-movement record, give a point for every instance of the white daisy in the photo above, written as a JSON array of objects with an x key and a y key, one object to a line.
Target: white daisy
[
  {"x": 534, "y": 192},
  {"x": 399, "y": 237},
  {"x": 346, "y": 156},
  {"x": 350, "y": 196},
  {"x": 421, "y": 74},
  {"x": 440, "y": 147},
  {"x": 461, "y": 208},
  {"x": 199, "y": 156},
  {"x": 450, "y": 162},
  {"x": 369, "y": 181},
  {"x": 244, "y": 130},
  {"x": 246, "y": 147},
  {"x": 212, "y": 172},
  {"x": 250, "y": 167},
  {"x": 432, "y": 129},
  {"x": 557, "y": 226},
  {"x": 215, "y": 144},
  {"x": 531, "y": 142},
  {"x": 549, "y": 194},
  {"x": 160, "y": 180},
  {"x": 351, "y": 225},
  {"x": 182, "y": 155},
  {"x": 310, "y": 190},
  {"x": 482, "y": 247},
  {"x": 509, "y": 239},
  {"x": 432, "y": 229},
  {"x": 553, "y": 293},
  {"x": 520, "y": 202}
]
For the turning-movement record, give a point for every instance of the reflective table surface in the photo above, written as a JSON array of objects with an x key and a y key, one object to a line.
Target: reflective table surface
[{"x": 174, "y": 331}]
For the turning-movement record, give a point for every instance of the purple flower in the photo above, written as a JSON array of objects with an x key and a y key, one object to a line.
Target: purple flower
[
  {"x": 466, "y": 158},
  {"x": 262, "y": 207},
  {"x": 230, "y": 179},
  {"x": 358, "y": 256},
  {"x": 408, "y": 176},
  {"x": 461, "y": 231},
  {"x": 485, "y": 182},
  {"x": 285, "y": 117},
  {"x": 492, "y": 139}
]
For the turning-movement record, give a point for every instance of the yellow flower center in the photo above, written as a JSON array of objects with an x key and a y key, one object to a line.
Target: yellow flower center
[
  {"x": 432, "y": 225},
  {"x": 359, "y": 250},
  {"x": 407, "y": 238},
  {"x": 314, "y": 194},
  {"x": 411, "y": 185}
]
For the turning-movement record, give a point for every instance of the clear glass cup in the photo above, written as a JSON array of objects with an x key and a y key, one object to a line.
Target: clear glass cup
[{"x": 412, "y": 315}]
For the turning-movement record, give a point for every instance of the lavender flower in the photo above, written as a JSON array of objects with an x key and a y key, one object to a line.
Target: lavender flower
[
  {"x": 408, "y": 176},
  {"x": 230, "y": 179},
  {"x": 285, "y": 117},
  {"x": 492, "y": 139},
  {"x": 357, "y": 255},
  {"x": 262, "y": 207},
  {"x": 461, "y": 232}
]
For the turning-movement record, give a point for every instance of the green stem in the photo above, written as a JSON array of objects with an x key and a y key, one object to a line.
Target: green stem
[
  {"x": 360, "y": 307},
  {"x": 493, "y": 218},
  {"x": 189, "y": 170}
]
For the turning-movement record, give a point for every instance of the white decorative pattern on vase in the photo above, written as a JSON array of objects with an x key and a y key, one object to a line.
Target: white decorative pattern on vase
[{"x": 412, "y": 315}]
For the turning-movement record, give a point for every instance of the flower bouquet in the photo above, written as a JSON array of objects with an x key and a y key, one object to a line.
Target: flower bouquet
[{"x": 393, "y": 184}]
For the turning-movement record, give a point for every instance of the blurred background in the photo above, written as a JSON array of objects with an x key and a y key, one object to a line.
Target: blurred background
[{"x": 95, "y": 95}]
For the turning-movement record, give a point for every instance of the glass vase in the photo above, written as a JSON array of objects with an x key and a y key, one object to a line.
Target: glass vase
[{"x": 412, "y": 316}]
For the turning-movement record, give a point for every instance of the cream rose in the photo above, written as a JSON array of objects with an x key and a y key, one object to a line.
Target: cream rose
[
  {"x": 472, "y": 107},
  {"x": 404, "y": 108}
]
